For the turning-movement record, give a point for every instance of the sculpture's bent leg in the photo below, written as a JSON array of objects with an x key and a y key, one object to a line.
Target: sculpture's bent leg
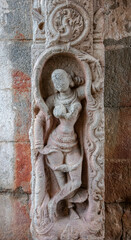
[
  {"x": 68, "y": 189},
  {"x": 67, "y": 192},
  {"x": 56, "y": 159},
  {"x": 72, "y": 159}
]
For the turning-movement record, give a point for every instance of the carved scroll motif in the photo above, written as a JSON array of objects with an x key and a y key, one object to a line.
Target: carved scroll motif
[
  {"x": 69, "y": 23},
  {"x": 67, "y": 131}
]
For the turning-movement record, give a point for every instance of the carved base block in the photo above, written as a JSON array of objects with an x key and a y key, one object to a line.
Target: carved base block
[{"x": 68, "y": 229}]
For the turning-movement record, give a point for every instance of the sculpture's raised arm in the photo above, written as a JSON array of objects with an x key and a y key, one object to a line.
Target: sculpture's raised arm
[
  {"x": 93, "y": 81},
  {"x": 84, "y": 91}
]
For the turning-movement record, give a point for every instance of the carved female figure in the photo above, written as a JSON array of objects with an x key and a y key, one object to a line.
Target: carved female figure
[
  {"x": 62, "y": 150},
  {"x": 67, "y": 134}
]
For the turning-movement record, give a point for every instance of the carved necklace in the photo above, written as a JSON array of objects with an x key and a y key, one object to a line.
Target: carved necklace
[{"x": 67, "y": 100}]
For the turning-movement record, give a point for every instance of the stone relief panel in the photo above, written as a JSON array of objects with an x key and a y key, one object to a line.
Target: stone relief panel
[
  {"x": 68, "y": 24},
  {"x": 63, "y": 22},
  {"x": 67, "y": 133}
]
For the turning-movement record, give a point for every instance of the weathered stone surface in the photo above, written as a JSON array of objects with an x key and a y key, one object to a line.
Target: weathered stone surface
[
  {"x": 117, "y": 178},
  {"x": 22, "y": 166},
  {"x": 117, "y": 18},
  {"x": 15, "y": 23},
  {"x": 68, "y": 133},
  {"x": 118, "y": 152},
  {"x": 6, "y": 165},
  {"x": 117, "y": 75},
  {"x": 126, "y": 219},
  {"x": 118, "y": 133},
  {"x": 15, "y": 19},
  {"x": 112, "y": 44},
  {"x": 7, "y": 116},
  {"x": 21, "y": 98},
  {"x": 5, "y": 67},
  {"x": 118, "y": 222},
  {"x": 14, "y": 56},
  {"x": 113, "y": 222},
  {"x": 14, "y": 217},
  {"x": 14, "y": 107},
  {"x": 19, "y": 53}
]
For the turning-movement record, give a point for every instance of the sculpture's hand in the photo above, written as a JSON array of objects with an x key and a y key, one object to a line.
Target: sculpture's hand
[
  {"x": 41, "y": 150},
  {"x": 75, "y": 108},
  {"x": 62, "y": 168},
  {"x": 59, "y": 111},
  {"x": 68, "y": 168}
]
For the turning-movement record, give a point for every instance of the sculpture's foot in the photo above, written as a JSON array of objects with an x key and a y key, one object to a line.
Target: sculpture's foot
[{"x": 73, "y": 214}]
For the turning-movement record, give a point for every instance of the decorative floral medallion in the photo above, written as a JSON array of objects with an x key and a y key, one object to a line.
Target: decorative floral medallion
[{"x": 69, "y": 23}]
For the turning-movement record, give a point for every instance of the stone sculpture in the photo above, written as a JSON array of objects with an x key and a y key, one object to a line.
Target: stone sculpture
[{"x": 67, "y": 133}]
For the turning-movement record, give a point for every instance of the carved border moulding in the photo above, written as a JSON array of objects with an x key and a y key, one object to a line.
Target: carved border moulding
[{"x": 67, "y": 132}]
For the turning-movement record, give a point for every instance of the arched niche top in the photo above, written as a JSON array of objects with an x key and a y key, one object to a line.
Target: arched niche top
[{"x": 78, "y": 57}]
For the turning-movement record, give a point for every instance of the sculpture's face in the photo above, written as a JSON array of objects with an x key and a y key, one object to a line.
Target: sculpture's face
[{"x": 60, "y": 80}]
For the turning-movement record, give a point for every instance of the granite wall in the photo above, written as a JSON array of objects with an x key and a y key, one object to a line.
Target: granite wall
[
  {"x": 15, "y": 115},
  {"x": 118, "y": 119}
]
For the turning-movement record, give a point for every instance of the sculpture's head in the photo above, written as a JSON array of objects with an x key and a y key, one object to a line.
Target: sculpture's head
[{"x": 61, "y": 80}]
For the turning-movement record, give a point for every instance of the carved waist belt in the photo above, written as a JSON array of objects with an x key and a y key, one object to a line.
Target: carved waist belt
[{"x": 63, "y": 142}]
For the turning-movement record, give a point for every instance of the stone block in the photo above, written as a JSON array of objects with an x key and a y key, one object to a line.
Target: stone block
[
  {"x": 126, "y": 219},
  {"x": 117, "y": 180},
  {"x": 19, "y": 53},
  {"x": 14, "y": 56},
  {"x": 5, "y": 67},
  {"x": 15, "y": 19},
  {"x": 6, "y": 165},
  {"x": 15, "y": 69},
  {"x": 118, "y": 133},
  {"x": 14, "y": 217},
  {"x": 117, "y": 18},
  {"x": 21, "y": 99},
  {"x": 117, "y": 77},
  {"x": 7, "y": 116},
  {"x": 113, "y": 227},
  {"x": 22, "y": 166},
  {"x": 118, "y": 152}
]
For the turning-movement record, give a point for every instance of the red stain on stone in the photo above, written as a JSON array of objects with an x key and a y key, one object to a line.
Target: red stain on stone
[
  {"x": 23, "y": 166},
  {"x": 19, "y": 36},
  {"x": 21, "y": 220},
  {"x": 22, "y": 116},
  {"x": 22, "y": 107},
  {"x": 21, "y": 81},
  {"x": 22, "y": 104},
  {"x": 24, "y": 216}
]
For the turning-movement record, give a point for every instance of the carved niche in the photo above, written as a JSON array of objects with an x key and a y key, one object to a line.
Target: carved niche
[{"x": 67, "y": 132}]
